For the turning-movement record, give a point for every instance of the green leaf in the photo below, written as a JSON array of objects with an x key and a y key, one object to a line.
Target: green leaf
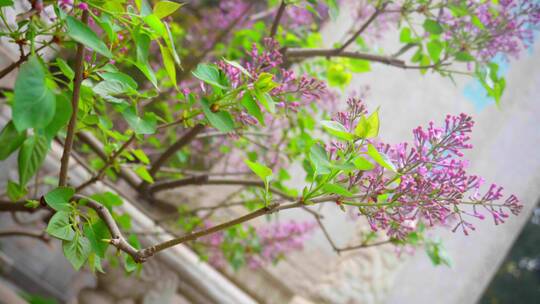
[
  {"x": 433, "y": 27},
  {"x": 359, "y": 66},
  {"x": 81, "y": 33},
  {"x": 6, "y": 3},
  {"x": 31, "y": 156},
  {"x": 168, "y": 62},
  {"x": 77, "y": 250},
  {"x": 34, "y": 103},
  {"x": 60, "y": 226},
  {"x": 437, "y": 253},
  {"x": 363, "y": 164},
  {"x": 110, "y": 88},
  {"x": 252, "y": 107},
  {"x": 405, "y": 35},
  {"x": 15, "y": 192},
  {"x": 337, "y": 130},
  {"x": 266, "y": 100},
  {"x": 107, "y": 199},
  {"x": 319, "y": 160},
  {"x": 156, "y": 25},
  {"x": 96, "y": 233},
  {"x": 141, "y": 156},
  {"x": 142, "y": 41},
  {"x": 368, "y": 127},
  {"x": 144, "y": 125},
  {"x": 209, "y": 74},
  {"x": 130, "y": 264},
  {"x": 143, "y": 173},
  {"x": 380, "y": 158},
  {"x": 464, "y": 56},
  {"x": 11, "y": 140},
  {"x": 477, "y": 22},
  {"x": 262, "y": 171},
  {"x": 120, "y": 77},
  {"x": 59, "y": 198},
  {"x": 337, "y": 189},
  {"x": 62, "y": 115},
  {"x": 338, "y": 76},
  {"x": 220, "y": 120},
  {"x": 65, "y": 68},
  {"x": 434, "y": 48},
  {"x": 163, "y": 9},
  {"x": 238, "y": 66}
]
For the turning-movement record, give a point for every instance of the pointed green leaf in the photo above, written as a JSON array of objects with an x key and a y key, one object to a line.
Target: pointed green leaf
[
  {"x": 433, "y": 27},
  {"x": 337, "y": 189},
  {"x": 31, "y": 156},
  {"x": 141, "y": 125},
  {"x": 363, "y": 164},
  {"x": 368, "y": 127},
  {"x": 220, "y": 120},
  {"x": 81, "y": 33},
  {"x": 60, "y": 227},
  {"x": 209, "y": 74},
  {"x": 380, "y": 158},
  {"x": 34, "y": 102},
  {"x": 252, "y": 107},
  {"x": 61, "y": 118},
  {"x": 319, "y": 160},
  {"x": 337, "y": 130},
  {"x": 77, "y": 251},
  {"x": 96, "y": 233},
  {"x": 11, "y": 140},
  {"x": 163, "y": 9},
  {"x": 262, "y": 171},
  {"x": 59, "y": 198}
]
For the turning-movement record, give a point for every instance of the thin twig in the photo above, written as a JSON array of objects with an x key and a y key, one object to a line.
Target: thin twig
[
  {"x": 33, "y": 233},
  {"x": 307, "y": 53},
  {"x": 79, "y": 69},
  {"x": 205, "y": 180},
  {"x": 364, "y": 26},
  {"x": 277, "y": 19},
  {"x": 21, "y": 60},
  {"x": 185, "y": 139},
  {"x": 107, "y": 165},
  {"x": 350, "y": 248}
]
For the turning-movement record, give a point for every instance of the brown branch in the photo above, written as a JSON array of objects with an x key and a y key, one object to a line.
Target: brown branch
[
  {"x": 277, "y": 19},
  {"x": 108, "y": 164},
  {"x": 128, "y": 175},
  {"x": 117, "y": 239},
  {"x": 33, "y": 233},
  {"x": 220, "y": 37},
  {"x": 185, "y": 139},
  {"x": 21, "y": 60},
  {"x": 307, "y": 53},
  {"x": 327, "y": 235},
  {"x": 16, "y": 207},
  {"x": 79, "y": 69},
  {"x": 195, "y": 235},
  {"x": 364, "y": 26},
  {"x": 205, "y": 180},
  {"x": 350, "y": 248}
]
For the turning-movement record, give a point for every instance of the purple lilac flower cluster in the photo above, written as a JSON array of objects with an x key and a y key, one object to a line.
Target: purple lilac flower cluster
[
  {"x": 504, "y": 28},
  {"x": 275, "y": 242},
  {"x": 305, "y": 89},
  {"x": 432, "y": 185}
]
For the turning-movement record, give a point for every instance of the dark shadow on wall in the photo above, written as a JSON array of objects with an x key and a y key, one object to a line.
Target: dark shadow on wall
[{"x": 518, "y": 279}]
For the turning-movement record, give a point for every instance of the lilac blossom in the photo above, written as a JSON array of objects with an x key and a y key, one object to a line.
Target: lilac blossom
[
  {"x": 432, "y": 185},
  {"x": 274, "y": 242}
]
